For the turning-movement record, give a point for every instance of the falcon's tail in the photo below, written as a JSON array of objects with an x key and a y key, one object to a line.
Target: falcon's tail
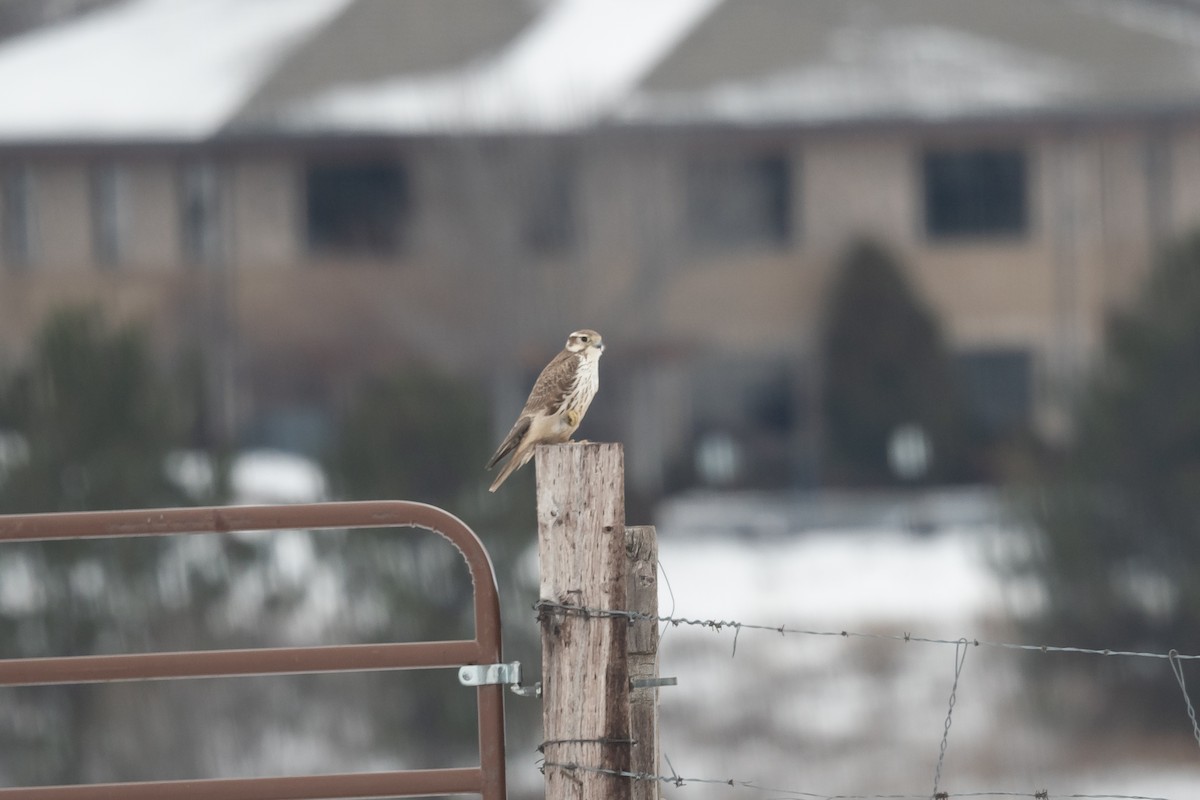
[
  {"x": 518, "y": 460},
  {"x": 510, "y": 442},
  {"x": 509, "y": 469}
]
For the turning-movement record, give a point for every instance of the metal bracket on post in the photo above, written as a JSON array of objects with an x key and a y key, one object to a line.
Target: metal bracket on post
[
  {"x": 490, "y": 674},
  {"x": 651, "y": 683}
]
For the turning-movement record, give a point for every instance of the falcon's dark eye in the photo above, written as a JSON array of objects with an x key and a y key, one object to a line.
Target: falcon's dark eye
[{"x": 583, "y": 338}]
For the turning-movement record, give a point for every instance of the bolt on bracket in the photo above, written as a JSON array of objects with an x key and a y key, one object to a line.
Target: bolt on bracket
[{"x": 503, "y": 674}]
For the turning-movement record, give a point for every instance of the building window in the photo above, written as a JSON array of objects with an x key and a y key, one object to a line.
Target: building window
[
  {"x": 548, "y": 207},
  {"x": 980, "y": 192},
  {"x": 110, "y": 205},
  {"x": 360, "y": 209},
  {"x": 999, "y": 388},
  {"x": 200, "y": 213},
  {"x": 16, "y": 217},
  {"x": 735, "y": 202}
]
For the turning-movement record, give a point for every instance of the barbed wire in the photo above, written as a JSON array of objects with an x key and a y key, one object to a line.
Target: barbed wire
[
  {"x": 679, "y": 781},
  {"x": 543, "y": 606},
  {"x": 1177, "y": 668},
  {"x": 962, "y": 646},
  {"x": 960, "y": 657}
]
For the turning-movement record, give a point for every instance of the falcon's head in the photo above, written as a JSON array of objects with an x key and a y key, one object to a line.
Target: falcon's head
[{"x": 587, "y": 342}]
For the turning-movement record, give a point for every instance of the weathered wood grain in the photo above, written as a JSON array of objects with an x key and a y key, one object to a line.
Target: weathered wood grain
[
  {"x": 641, "y": 547},
  {"x": 585, "y": 675}
]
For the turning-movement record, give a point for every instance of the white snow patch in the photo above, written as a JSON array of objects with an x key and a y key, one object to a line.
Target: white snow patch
[
  {"x": 14, "y": 451},
  {"x": 256, "y": 476},
  {"x": 20, "y": 590},
  {"x": 192, "y": 471},
  {"x": 148, "y": 68},
  {"x": 1172, "y": 22},
  {"x": 294, "y": 557},
  {"x": 841, "y": 577},
  {"x": 832, "y": 715},
  {"x": 575, "y": 61},
  {"x": 272, "y": 476}
]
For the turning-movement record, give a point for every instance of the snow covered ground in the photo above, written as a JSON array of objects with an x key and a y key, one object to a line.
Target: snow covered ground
[{"x": 831, "y": 715}]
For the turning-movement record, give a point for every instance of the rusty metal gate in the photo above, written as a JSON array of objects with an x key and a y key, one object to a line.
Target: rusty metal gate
[{"x": 487, "y": 779}]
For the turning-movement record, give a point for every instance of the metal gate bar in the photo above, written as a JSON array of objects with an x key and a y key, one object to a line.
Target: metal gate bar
[
  {"x": 209, "y": 663},
  {"x": 487, "y": 780},
  {"x": 407, "y": 783}
]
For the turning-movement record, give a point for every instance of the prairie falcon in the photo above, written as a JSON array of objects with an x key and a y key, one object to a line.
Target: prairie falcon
[{"x": 556, "y": 405}]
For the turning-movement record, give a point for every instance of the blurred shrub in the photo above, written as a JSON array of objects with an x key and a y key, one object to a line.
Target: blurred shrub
[
  {"x": 413, "y": 435},
  {"x": 885, "y": 366},
  {"x": 98, "y": 418},
  {"x": 418, "y": 434}
]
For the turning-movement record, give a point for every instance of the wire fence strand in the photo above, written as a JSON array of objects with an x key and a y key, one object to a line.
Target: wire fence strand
[
  {"x": 962, "y": 646},
  {"x": 546, "y": 606},
  {"x": 1177, "y": 668},
  {"x": 680, "y": 781}
]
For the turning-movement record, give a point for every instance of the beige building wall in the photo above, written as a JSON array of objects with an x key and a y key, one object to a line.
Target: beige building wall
[
  {"x": 1126, "y": 206},
  {"x": 267, "y": 206},
  {"x": 859, "y": 185},
  {"x": 152, "y": 241},
  {"x": 1096, "y": 206},
  {"x": 1098, "y": 199},
  {"x": 62, "y": 215},
  {"x": 990, "y": 292}
]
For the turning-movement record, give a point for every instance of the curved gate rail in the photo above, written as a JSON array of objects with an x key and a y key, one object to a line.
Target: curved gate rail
[{"x": 487, "y": 779}]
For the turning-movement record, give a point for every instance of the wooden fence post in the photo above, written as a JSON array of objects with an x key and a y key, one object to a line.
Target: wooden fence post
[
  {"x": 641, "y": 545},
  {"x": 585, "y": 674}
]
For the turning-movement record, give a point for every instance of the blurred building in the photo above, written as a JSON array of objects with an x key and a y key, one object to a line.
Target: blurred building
[{"x": 313, "y": 190}]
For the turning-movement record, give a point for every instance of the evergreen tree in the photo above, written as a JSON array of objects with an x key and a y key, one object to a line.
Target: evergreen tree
[
  {"x": 97, "y": 419},
  {"x": 885, "y": 366},
  {"x": 1121, "y": 511}
]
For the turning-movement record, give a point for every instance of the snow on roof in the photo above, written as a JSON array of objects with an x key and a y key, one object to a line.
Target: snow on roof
[
  {"x": 148, "y": 68},
  {"x": 189, "y": 69},
  {"x": 923, "y": 70},
  {"x": 573, "y": 64},
  {"x": 815, "y": 61}
]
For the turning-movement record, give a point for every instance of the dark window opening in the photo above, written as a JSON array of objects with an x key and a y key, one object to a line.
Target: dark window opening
[
  {"x": 200, "y": 213},
  {"x": 16, "y": 217},
  {"x": 735, "y": 202},
  {"x": 976, "y": 193},
  {"x": 548, "y": 218},
  {"x": 357, "y": 209}
]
